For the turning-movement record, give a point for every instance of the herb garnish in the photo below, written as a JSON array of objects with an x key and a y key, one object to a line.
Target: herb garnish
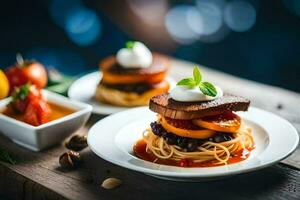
[
  {"x": 22, "y": 92},
  {"x": 130, "y": 44},
  {"x": 5, "y": 157},
  {"x": 206, "y": 87}
]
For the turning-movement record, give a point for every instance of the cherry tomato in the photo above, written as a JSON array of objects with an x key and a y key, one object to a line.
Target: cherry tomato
[
  {"x": 37, "y": 112},
  {"x": 29, "y": 101},
  {"x": 36, "y": 74},
  {"x": 16, "y": 78},
  {"x": 27, "y": 72},
  {"x": 22, "y": 95},
  {"x": 185, "y": 162}
]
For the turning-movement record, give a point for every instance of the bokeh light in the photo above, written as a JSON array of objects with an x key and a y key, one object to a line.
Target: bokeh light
[
  {"x": 60, "y": 9},
  {"x": 195, "y": 21},
  {"x": 151, "y": 12},
  {"x": 180, "y": 22},
  {"x": 83, "y": 26},
  {"x": 239, "y": 16},
  {"x": 203, "y": 22},
  {"x": 218, "y": 36},
  {"x": 211, "y": 14}
]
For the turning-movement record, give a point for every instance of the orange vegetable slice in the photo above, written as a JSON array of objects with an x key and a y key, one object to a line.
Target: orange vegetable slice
[
  {"x": 152, "y": 75},
  {"x": 226, "y": 122},
  {"x": 185, "y": 128},
  {"x": 111, "y": 78}
]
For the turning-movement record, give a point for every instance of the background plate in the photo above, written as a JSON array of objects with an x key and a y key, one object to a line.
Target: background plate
[{"x": 83, "y": 89}]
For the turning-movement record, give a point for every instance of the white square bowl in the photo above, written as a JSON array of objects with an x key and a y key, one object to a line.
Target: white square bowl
[{"x": 40, "y": 137}]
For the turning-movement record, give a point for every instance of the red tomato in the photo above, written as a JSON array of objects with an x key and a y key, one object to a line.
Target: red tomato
[
  {"x": 37, "y": 112},
  {"x": 35, "y": 93},
  {"x": 16, "y": 78},
  {"x": 27, "y": 72},
  {"x": 20, "y": 105},
  {"x": 36, "y": 74},
  {"x": 29, "y": 101},
  {"x": 23, "y": 95}
]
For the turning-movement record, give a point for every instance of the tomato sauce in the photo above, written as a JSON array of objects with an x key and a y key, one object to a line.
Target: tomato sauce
[
  {"x": 57, "y": 112},
  {"x": 139, "y": 150},
  {"x": 182, "y": 124}
]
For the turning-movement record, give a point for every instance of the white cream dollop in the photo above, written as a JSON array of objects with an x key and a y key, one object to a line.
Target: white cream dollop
[
  {"x": 187, "y": 94},
  {"x": 139, "y": 56}
]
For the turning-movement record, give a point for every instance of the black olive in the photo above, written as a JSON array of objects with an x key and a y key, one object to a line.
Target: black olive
[
  {"x": 153, "y": 126},
  {"x": 164, "y": 134},
  {"x": 221, "y": 137},
  {"x": 141, "y": 88},
  {"x": 218, "y": 138},
  {"x": 228, "y": 137},
  {"x": 182, "y": 142},
  {"x": 171, "y": 139},
  {"x": 200, "y": 142},
  {"x": 156, "y": 128},
  {"x": 192, "y": 145}
]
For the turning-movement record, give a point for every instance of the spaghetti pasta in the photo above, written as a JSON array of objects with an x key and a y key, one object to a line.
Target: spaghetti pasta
[{"x": 216, "y": 153}]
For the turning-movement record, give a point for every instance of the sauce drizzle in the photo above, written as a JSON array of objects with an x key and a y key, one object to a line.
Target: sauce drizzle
[{"x": 57, "y": 112}]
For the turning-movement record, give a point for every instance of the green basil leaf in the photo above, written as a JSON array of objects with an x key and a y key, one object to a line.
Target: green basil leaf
[
  {"x": 197, "y": 75},
  {"x": 5, "y": 157},
  {"x": 187, "y": 81},
  {"x": 22, "y": 92},
  {"x": 129, "y": 44},
  {"x": 208, "y": 89}
]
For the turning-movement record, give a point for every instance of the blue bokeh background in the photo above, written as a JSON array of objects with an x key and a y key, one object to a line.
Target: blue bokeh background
[{"x": 258, "y": 40}]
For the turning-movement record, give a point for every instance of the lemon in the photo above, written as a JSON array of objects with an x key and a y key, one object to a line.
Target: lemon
[{"x": 4, "y": 85}]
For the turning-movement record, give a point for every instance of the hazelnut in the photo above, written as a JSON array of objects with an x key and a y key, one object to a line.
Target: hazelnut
[
  {"x": 70, "y": 159},
  {"x": 77, "y": 143}
]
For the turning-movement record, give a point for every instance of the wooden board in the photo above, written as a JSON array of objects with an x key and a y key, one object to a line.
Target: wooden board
[{"x": 38, "y": 176}]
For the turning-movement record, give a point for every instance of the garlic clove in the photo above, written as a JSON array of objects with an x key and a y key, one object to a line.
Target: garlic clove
[{"x": 111, "y": 183}]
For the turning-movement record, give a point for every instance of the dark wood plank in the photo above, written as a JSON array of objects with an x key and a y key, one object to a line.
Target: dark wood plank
[{"x": 38, "y": 177}]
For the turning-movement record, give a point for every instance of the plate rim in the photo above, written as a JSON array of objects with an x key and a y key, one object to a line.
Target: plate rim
[{"x": 193, "y": 174}]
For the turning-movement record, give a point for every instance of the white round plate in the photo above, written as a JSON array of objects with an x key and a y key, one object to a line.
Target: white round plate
[
  {"x": 113, "y": 138},
  {"x": 83, "y": 89}
]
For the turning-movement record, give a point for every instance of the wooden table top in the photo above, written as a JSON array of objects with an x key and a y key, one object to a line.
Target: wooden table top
[{"x": 38, "y": 176}]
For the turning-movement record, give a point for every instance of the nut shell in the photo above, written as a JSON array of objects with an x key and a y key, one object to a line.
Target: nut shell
[
  {"x": 70, "y": 159},
  {"x": 77, "y": 143}
]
